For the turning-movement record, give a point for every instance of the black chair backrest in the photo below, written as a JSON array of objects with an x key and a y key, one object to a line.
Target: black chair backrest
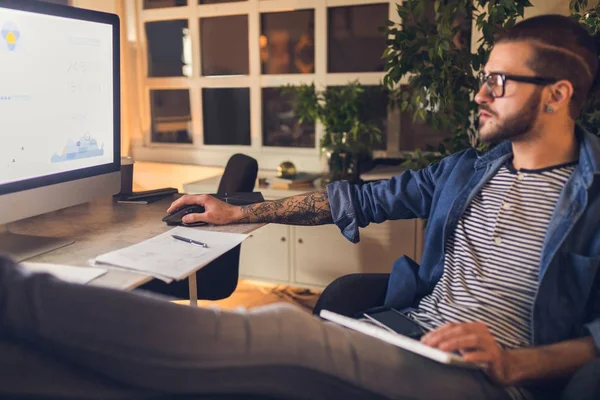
[{"x": 239, "y": 175}]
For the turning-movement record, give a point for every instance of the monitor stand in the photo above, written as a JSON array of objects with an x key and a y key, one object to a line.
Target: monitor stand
[{"x": 23, "y": 247}]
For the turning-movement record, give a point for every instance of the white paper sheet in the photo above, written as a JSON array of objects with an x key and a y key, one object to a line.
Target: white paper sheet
[
  {"x": 166, "y": 257},
  {"x": 67, "y": 273}
]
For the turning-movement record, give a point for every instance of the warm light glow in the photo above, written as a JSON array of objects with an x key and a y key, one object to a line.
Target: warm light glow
[{"x": 263, "y": 41}]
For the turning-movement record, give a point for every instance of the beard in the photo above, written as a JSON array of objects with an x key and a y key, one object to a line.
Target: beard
[{"x": 513, "y": 127}]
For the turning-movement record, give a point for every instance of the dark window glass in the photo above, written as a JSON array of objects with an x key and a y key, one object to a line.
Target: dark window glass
[
  {"x": 417, "y": 134},
  {"x": 287, "y": 42},
  {"x": 355, "y": 43},
  {"x": 374, "y": 109},
  {"x": 61, "y": 2},
  {"x": 164, "y": 3},
  {"x": 226, "y": 114},
  {"x": 224, "y": 45},
  {"x": 171, "y": 118},
  {"x": 166, "y": 48},
  {"x": 280, "y": 123},
  {"x": 217, "y": 1}
]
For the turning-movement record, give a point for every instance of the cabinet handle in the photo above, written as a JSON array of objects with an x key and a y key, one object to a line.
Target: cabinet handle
[
  {"x": 300, "y": 241},
  {"x": 283, "y": 239}
]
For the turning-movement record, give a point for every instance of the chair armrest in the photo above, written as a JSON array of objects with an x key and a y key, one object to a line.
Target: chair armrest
[
  {"x": 351, "y": 294},
  {"x": 585, "y": 383}
]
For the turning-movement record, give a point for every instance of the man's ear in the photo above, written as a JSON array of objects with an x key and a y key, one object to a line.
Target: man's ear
[{"x": 560, "y": 95}]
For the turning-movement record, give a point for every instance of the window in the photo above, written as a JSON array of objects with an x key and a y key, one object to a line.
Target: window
[
  {"x": 214, "y": 72},
  {"x": 171, "y": 119},
  {"x": 164, "y": 3},
  {"x": 287, "y": 42},
  {"x": 355, "y": 43},
  {"x": 226, "y": 114},
  {"x": 228, "y": 55},
  {"x": 281, "y": 126}
]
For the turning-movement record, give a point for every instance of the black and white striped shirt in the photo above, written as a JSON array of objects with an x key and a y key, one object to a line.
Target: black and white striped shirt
[{"x": 492, "y": 258}]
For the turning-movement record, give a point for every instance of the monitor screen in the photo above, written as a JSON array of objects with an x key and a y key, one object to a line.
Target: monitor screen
[{"x": 57, "y": 99}]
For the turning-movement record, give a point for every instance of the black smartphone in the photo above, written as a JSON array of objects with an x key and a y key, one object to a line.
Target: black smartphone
[{"x": 396, "y": 321}]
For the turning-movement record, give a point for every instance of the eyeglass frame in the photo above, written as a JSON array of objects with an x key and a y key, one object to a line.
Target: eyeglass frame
[{"x": 535, "y": 80}]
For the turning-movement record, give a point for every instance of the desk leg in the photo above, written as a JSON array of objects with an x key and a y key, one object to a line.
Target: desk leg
[{"x": 193, "y": 290}]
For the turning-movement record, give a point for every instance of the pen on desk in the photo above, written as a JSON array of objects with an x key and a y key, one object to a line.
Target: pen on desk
[{"x": 192, "y": 241}]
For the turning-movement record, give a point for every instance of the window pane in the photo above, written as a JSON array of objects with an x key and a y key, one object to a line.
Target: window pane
[
  {"x": 169, "y": 48},
  {"x": 164, "y": 3},
  {"x": 417, "y": 134},
  {"x": 171, "y": 118},
  {"x": 287, "y": 42},
  {"x": 62, "y": 2},
  {"x": 224, "y": 45},
  {"x": 373, "y": 108},
  {"x": 280, "y": 123},
  {"x": 354, "y": 41},
  {"x": 217, "y": 1},
  {"x": 226, "y": 113}
]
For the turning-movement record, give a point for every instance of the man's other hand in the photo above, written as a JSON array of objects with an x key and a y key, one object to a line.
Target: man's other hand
[
  {"x": 476, "y": 344},
  {"x": 216, "y": 212}
]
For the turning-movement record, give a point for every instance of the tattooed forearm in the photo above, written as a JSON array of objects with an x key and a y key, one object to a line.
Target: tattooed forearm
[{"x": 305, "y": 209}]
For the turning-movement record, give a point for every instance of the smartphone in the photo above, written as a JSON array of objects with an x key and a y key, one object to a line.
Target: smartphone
[{"x": 395, "y": 321}]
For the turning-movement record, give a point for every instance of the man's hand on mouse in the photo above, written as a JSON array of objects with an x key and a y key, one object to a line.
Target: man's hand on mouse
[{"x": 216, "y": 212}]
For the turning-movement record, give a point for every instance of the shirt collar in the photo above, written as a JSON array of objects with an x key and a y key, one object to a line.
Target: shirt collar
[{"x": 589, "y": 154}]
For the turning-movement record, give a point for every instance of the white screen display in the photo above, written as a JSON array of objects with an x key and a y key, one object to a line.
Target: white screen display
[{"x": 56, "y": 95}]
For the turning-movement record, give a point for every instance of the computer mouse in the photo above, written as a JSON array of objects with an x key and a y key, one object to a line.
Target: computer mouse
[{"x": 175, "y": 217}]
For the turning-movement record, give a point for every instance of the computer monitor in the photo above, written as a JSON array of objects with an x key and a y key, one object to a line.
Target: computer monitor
[{"x": 59, "y": 114}]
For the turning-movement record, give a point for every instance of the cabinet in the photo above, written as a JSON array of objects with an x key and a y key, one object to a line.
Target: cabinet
[{"x": 313, "y": 256}]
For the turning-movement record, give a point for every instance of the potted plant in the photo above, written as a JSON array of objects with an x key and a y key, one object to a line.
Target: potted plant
[
  {"x": 349, "y": 136},
  {"x": 432, "y": 47}
]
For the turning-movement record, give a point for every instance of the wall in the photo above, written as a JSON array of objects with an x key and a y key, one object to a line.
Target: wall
[{"x": 547, "y": 7}]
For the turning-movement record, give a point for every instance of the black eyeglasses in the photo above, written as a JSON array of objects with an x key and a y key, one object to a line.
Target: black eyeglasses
[{"x": 495, "y": 82}]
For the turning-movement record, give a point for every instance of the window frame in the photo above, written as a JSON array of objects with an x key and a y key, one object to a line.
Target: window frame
[{"x": 268, "y": 156}]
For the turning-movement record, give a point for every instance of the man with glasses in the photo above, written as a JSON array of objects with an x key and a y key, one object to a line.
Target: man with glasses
[{"x": 509, "y": 276}]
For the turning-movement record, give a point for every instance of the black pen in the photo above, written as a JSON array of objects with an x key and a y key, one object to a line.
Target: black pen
[{"x": 184, "y": 239}]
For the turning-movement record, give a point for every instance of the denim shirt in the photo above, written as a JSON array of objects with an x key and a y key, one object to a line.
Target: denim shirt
[{"x": 567, "y": 302}]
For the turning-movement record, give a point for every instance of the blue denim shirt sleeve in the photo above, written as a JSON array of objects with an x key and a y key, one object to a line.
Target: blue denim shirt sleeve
[{"x": 406, "y": 196}]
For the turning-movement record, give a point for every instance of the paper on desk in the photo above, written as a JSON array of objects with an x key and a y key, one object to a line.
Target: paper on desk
[
  {"x": 166, "y": 257},
  {"x": 67, "y": 273}
]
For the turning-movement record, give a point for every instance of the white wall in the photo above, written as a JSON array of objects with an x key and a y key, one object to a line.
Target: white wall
[{"x": 547, "y": 7}]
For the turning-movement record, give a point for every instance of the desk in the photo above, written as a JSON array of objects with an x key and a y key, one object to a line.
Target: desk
[{"x": 102, "y": 226}]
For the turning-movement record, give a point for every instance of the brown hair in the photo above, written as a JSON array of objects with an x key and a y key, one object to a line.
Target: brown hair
[{"x": 563, "y": 49}]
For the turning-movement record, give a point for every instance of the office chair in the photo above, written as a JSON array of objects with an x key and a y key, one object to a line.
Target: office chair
[
  {"x": 354, "y": 293},
  {"x": 218, "y": 279}
]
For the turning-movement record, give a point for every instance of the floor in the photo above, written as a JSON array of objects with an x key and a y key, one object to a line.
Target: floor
[{"x": 249, "y": 294}]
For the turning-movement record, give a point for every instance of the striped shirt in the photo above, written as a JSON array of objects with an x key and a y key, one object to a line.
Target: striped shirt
[{"x": 493, "y": 257}]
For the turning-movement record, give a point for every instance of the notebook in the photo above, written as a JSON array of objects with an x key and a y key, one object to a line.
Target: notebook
[
  {"x": 67, "y": 273},
  {"x": 396, "y": 339}
]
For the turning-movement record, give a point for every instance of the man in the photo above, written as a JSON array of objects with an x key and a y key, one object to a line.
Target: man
[
  {"x": 512, "y": 247},
  {"x": 509, "y": 273}
]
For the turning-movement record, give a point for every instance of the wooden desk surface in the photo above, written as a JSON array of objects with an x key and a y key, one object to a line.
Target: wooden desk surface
[{"x": 102, "y": 226}]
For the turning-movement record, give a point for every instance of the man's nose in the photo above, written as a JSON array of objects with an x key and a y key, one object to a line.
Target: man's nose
[{"x": 483, "y": 95}]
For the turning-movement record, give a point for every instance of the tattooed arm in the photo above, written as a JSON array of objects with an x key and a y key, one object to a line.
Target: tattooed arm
[{"x": 305, "y": 209}]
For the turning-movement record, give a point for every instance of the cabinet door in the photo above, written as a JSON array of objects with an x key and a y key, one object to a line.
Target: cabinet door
[
  {"x": 321, "y": 254},
  {"x": 265, "y": 254}
]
